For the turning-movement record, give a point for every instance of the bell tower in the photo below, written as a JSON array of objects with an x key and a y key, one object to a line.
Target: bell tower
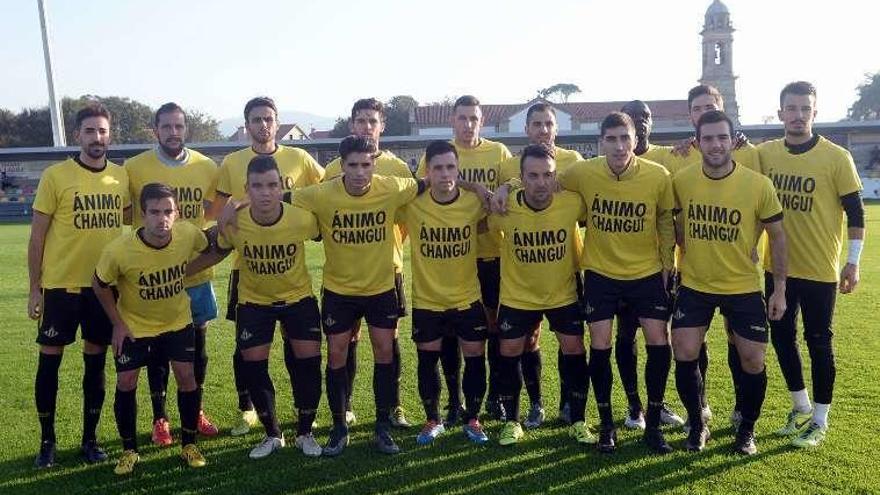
[{"x": 718, "y": 56}]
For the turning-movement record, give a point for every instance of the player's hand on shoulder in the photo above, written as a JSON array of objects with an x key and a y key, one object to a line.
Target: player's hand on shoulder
[
  {"x": 498, "y": 203},
  {"x": 228, "y": 221},
  {"x": 683, "y": 147},
  {"x": 849, "y": 278}
]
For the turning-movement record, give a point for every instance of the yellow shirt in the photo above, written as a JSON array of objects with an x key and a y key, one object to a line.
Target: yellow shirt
[
  {"x": 661, "y": 155},
  {"x": 720, "y": 220},
  {"x": 358, "y": 231},
  {"x": 443, "y": 244},
  {"x": 746, "y": 156},
  {"x": 273, "y": 265},
  {"x": 629, "y": 232},
  {"x": 298, "y": 169},
  {"x": 195, "y": 181},
  {"x": 809, "y": 186},
  {"x": 479, "y": 165},
  {"x": 510, "y": 169},
  {"x": 85, "y": 207},
  {"x": 152, "y": 299},
  {"x": 539, "y": 251}
]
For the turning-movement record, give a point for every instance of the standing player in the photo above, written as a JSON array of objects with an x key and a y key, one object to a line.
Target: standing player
[
  {"x": 368, "y": 120},
  {"x": 79, "y": 205},
  {"x": 817, "y": 183},
  {"x": 274, "y": 286},
  {"x": 628, "y": 260},
  {"x": 478, "y": 161},
  {"x": 723, "y": 205},
  {"x": 148, "y": 265},
  {"x": 194, "y": 177},
  {"x": 539, "y": 252},
  {"x": 446, "y": 297},
  {"x": 298, "y": 169}
]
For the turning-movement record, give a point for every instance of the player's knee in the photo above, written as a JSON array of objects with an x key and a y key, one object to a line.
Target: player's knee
[
  {"x": 52, "y": 350},
  {"x": 126, "y": 381}
]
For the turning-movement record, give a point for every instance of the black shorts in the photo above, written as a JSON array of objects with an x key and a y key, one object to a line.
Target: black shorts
[
  {"x": 745, "y": 313},
  {"x": 232, "y": 295},
  {"x": 515, "y": 323},
  {"x": 489, "y": 274},
  {"x": 645, "y": 297},
  {"x": 255, "y": 325},
  {"x": 178, "y": 345},
  {"x": 401, "y": 294},
  {"x": 467, "y": 324},
  {"x": 340, "y": 312},
  {"x": 66, "y": 309}
]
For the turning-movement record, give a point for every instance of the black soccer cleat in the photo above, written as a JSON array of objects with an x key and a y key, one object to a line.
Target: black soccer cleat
[
  {"x": 607, "y": 440},
  {"x": 655, "y": 441},
  {"x": 337, "y": 442},
  {"x": 697, "y": 439},
  {"x": 46, "y": 457},
  {"x": 384, "y": 441},
  {"x": 744, "y": 443},
  {"x": 92, "y": 453}
]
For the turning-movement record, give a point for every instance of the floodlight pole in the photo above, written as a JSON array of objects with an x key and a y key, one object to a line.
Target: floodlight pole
[{"x": 58, "y": 137}]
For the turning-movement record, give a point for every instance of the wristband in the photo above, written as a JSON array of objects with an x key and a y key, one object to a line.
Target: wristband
[{"x": 854, "y": 252}]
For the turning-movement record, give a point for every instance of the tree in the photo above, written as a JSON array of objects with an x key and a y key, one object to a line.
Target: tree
[
  {"x": 7, "y": 127},
  {"x": 340, "y": 128},
  {"x": 131, "y": 120},
  {"x": 564, "y": 90},
  {"x": 202, "y": 127},
  {"x": 867, "y": 106},
  {"x": 397, "y": 111},
  {"x": 32, "y": 128}
]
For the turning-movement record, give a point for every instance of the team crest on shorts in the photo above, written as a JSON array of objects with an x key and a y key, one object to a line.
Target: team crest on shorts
[
  {"x": 50, "y": 332},
  {"x": 123, "y": 359},
  {"x": 679, "y": 314},
  {"x": 245, "y": 335},
  {"x": 329, "y": 321},
  {"x": 505, "y": 326}
]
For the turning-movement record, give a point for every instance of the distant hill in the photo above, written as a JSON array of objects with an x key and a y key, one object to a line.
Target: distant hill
[{"x": 304, "y": 119}]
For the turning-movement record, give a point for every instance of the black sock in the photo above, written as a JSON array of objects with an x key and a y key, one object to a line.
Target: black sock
[
  {"x": 509, "y": 385},
  {"x": 429, "y": 383},
  {"x": 563, "y": 385},
  {"x": 46, "y": 393},
  {"x": 395, "y": 369},
  {"x": 704, "y": 369},
  {"x": 493, "y": 354},
  {"x": 531, "y": 371},
  {"x": 754, "y": 387},
  {"x": 262, "y": 393},
  {"x": 689, "y": 382},
  {"x": 158, "y": 370},
  {"x": 474, "y": 385},
  {"x": 450, "y": 358},
  {"x": 656, "y": 374},
  {"x": 93, "y": 394},
  {"x": 125, "y": 410},
  {"x": 351, "y": 366},
  {"x": 822, "y": 368},
  {"x": 290, "y": 366},
  {"x": 736, "y": 372},
  {"x": 600, "y": 374},
  {"x": 188, "y": 408},
  {"x": 575, "y": 369},
  {"x": 337, "y": 382},
  {"x": 200, "y": 362},
  {"x": 241, "y": 382},
  {"x": 626, "y": 355},
  {"x": 383, "y": 382},
  {"x": 307, "y": 378}
]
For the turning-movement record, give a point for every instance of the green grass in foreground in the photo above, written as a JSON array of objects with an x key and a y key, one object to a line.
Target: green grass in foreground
[{"x": 547, "y": 461}]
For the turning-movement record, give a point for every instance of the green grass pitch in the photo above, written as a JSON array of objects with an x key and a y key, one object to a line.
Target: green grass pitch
[{"x": 547, "y": 461}]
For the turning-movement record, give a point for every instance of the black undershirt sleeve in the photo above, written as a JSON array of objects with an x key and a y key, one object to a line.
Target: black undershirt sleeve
[
  {"x": 775, "y": 218},
  {"x": 854, "y": 208}
]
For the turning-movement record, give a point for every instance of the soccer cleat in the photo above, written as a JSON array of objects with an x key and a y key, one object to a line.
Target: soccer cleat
[
  {"x": 669, "y": 417},
  {"x": 697, "y": 439},
  {"x": 162, "y": 433},
  {"x": 125, "y": 464},
  {"x": 565, "y": 414},
  {"x": 336, "y": 443},
  {"x": 607, "y": 443},
  {"x": 191, "y": 455},
  {"x": 308, "y": 445},
  {"x": 511, "y": 434},
  {"x": 736, "y": 418},
  {"x": 384, "y": 441},
  {"x": 581, "y": 433},
  {"x": 535, "y": 417},
  {"x": 397, "y": 417},
  {"x": 46, "y": 457},
  {"x": 706, "y": 414},
  {"x": 635, "y": 420},
  {"x": 811, "y": 437},
  {"x": 454, "y": 413},
  {"x": 92, "y": 452},
  {"x": 267, "y": 446},
  {"x": 430, "y": 432},
  {"x": 205, "y": 426},
  {"x": 744, "y": 443},
  {"x": 350, "y": 418},
  {"x": 473, "y": 430},
  {"x": 795, "y": 422},
  {"x": 248, "y": 420},
  {"x": 654, "y": 440}
]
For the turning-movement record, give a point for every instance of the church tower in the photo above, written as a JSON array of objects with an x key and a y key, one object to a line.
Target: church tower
[{"x": 718, "y": 56}]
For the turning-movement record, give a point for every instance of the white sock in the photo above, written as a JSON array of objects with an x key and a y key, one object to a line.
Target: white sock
[
  {"x": 801, "y": 401},
  {"x": 820, "y": 414}
]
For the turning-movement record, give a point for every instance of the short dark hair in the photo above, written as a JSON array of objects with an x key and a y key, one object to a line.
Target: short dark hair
[
  {"x": 539, "y": 107},
  {"x": 465, "y": 101},
  {"x": 261, "y": 164},
  {"x": 169, "y": 107},
  {"x": 357, "y": 144},
  {"x": 802, "y": 88},
  {"x": 713, "y": 117},
  {"x": 155, "y": 190},
  {"x": 705, "y": 89},
  {"x": 93, "y": 109},
  {"x": 368, "y": 104},
  {"x": 259, "y": 101},
  {"x": 616, "y": 119},
  {"x": 439, "y": 147},
  {"x": 536, "y": 151}
]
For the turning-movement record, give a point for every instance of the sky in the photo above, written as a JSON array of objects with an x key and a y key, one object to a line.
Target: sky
[{"x": 320, "y": 56}]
